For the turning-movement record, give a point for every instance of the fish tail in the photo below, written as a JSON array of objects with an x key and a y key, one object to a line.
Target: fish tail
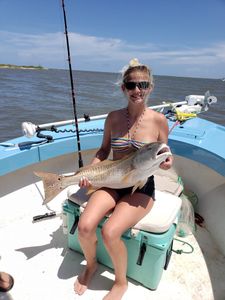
[{"x": 52, "y": 185}]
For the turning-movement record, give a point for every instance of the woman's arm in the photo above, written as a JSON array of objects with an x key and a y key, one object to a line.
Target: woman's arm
[
  {"x": 105, "y": 148},
  {"x": 103, "y": 151},
  {"x": 163, "y": 129},
  {"x": 163, "y": 137}
]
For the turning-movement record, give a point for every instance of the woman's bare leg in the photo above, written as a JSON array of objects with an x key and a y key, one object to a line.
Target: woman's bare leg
[
  {"x": 99, "y": 204},
  {"x": 127, "y": 212}
]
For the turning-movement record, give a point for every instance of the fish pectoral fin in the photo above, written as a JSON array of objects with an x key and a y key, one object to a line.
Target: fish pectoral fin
[
  {"x": 142, "y": 183},
  {"x": 128, "y": 177},
  {"x": 139, "y": 185}
]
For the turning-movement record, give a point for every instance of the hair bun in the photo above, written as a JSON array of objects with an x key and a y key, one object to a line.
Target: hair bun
[{"x": 134, "y": 62}]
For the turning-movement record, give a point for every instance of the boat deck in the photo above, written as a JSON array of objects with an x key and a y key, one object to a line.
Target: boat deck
[{"x": 37, "y": 256}]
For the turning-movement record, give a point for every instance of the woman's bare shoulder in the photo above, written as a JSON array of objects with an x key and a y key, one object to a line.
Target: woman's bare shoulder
[
  {"x": 157, "y": 116},
  {"x": 116, "y": 113}
]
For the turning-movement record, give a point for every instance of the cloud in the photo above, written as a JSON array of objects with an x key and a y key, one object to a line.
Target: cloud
[
  {"x": 98, "y": 53},
  {"x": 27, "y": 49}
]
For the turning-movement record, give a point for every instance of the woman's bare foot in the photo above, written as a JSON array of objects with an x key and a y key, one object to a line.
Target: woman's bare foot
[
  {"x": 83, "y": 280},
  {"x": 117, "y": 292}
]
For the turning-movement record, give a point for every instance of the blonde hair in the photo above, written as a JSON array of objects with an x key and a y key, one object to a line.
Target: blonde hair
[{"x": 135, "y": 65}]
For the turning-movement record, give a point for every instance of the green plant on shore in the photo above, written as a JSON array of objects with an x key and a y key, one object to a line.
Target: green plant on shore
[{"x": 21, "y": 67}]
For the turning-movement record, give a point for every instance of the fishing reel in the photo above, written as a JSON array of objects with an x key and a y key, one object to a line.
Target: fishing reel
[
  {"x": 196, "y": 103},
  {"x": 29, "y": 130},
  {"x": 203, "y": 101}
]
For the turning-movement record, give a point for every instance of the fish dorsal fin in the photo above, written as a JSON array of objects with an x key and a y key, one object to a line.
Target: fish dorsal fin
[
  {"x": 82, "y": 169},
  {"x": 139, "y": 185}
]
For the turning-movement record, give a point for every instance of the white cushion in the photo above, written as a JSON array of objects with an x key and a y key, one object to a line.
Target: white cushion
[
  {"x": 162, "y": 215},
  {"x": 158, "y": 220}
]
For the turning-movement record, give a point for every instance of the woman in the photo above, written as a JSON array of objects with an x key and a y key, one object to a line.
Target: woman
[{"x": 125, "y": 131}]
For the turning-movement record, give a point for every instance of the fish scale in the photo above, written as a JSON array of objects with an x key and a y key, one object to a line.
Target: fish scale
[{"x": 110, "y": 168}]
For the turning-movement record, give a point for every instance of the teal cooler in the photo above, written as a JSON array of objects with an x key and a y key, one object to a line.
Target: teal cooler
[{"x": 148, "y": 252}]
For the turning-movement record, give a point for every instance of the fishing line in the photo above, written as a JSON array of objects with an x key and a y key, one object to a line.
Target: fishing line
[{"x": 72, "y": 86}]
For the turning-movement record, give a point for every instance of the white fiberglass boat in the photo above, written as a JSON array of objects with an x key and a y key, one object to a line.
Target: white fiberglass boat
[{"x": 38, "y": 253}]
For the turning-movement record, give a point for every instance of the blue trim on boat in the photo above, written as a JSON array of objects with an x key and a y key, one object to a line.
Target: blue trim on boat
[
  {"x": 197, "y": 139},
  {"x": 202, "y": 141}
]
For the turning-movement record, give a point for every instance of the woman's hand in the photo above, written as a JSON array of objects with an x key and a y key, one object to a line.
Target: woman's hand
[
  {"x": 84, "y": 182},
  {"x": 167, "y": 164}
]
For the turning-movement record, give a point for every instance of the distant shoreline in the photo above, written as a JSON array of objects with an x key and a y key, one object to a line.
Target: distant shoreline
[{"x": 9, "y": 66}]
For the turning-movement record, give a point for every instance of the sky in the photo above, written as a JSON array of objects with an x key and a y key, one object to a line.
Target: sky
[{"x": 174, "y": 37}]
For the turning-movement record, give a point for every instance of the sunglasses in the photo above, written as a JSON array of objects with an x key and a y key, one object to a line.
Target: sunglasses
[{"x": 142, "y": 85}]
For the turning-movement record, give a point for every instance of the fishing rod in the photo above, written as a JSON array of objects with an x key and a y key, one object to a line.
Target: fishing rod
[{"x": 80, "y": 161}]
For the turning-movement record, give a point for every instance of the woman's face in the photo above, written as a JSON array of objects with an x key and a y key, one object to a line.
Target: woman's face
[{"x": 137, "y": 87}]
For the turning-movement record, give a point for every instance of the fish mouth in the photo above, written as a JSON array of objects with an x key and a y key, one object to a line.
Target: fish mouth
[{"x": 163, "y": 150}]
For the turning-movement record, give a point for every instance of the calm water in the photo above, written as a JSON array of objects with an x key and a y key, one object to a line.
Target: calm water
[{"x": 45, "y": 96}]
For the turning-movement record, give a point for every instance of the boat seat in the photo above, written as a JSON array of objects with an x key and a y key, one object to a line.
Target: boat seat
[
  {"x": 165, "y": 209},
  {"x": 158, "y": 220}
]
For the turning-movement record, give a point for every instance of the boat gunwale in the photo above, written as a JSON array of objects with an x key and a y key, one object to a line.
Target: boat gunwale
[{"x": 196, "y": 139}]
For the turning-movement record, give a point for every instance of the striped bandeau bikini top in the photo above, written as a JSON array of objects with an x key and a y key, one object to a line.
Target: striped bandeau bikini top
[{"x": 122, "y": 144}]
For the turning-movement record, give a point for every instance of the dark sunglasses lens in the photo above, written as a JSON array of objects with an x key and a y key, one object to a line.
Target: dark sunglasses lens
[
  {"x": 141, "y": 85},
  {"x": 130, "y": 85}
]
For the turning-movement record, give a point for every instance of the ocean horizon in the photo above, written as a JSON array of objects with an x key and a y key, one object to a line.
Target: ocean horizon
[{"x": 42, "y": 96}]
